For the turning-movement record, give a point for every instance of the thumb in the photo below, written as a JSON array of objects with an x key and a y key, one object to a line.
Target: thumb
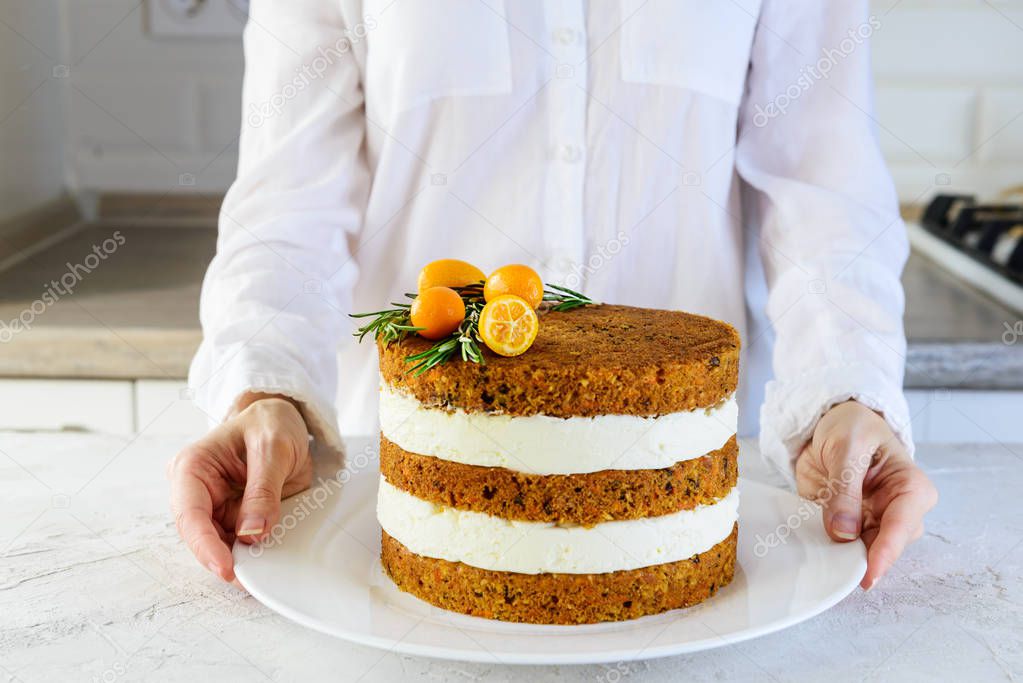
[
  {"x": 269, "y": 461},
  {"x": 846, "y": 461}
]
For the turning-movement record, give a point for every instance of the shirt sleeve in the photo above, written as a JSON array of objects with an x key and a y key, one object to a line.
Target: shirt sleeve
[
  {"x": 274, "y": 302},
  {"x": 826, "y": 218}
]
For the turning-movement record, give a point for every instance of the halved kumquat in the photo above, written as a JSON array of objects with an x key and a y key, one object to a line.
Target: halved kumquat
[{"x": 508, "y": 325}]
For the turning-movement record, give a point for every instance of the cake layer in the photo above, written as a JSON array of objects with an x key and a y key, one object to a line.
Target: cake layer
[
  {"x": 489, "y": 542},
  {"x": 561, "y": 598},
  {"x": 595, "y": 360},
  {"x": 540, "y": 444},
  {"x": 585, "y": 499}
]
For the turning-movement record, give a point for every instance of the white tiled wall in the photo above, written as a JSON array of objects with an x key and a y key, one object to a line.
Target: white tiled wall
[
  {"x": 149, "y": 114},
  {"x": 949, "y": 77},
  {"x": 31, "y": 106}
]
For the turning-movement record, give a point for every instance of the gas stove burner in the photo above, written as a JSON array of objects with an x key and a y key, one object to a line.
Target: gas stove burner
[{"x": 990, "y": 233}]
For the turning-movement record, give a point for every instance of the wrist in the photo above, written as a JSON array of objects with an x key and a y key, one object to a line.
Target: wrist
[{"x": 251, "y": 397}]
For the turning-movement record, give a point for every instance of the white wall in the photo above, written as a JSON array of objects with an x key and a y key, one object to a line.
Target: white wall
[
  {"x": 950, "y": 93},
  {"x": 949, "y": 73},
  {"x": 149, "y": 114},
  {"x": 31, "y": 111}
]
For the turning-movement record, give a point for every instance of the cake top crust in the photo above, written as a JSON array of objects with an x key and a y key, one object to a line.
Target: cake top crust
[{"x": 595, "y": 360}]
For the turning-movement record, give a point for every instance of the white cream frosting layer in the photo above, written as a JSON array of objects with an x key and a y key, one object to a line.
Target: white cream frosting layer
[
  {"x": 540, "y": 444},
  {"x": 497, "y": 544}
]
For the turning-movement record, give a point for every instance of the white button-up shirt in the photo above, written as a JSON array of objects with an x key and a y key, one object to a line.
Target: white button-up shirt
[{"x": 713, "y": 157}]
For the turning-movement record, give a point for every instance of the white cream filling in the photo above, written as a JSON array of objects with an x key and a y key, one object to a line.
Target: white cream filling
[
  {"x": 497, "y": 544},
  {"x": 540, "y": 444}
]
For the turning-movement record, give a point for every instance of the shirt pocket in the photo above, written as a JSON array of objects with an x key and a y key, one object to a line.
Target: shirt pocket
[
  {"x": 421, "y": 51},
  {"x": 701, "y": 45}
]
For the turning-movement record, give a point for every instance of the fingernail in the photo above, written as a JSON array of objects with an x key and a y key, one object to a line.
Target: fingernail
[
  {"x": 845, "y": 526},
  {"x": 212, "y": 566},
  {"x": 870, "y": 586},
  {"x": 251, "y": 526}
]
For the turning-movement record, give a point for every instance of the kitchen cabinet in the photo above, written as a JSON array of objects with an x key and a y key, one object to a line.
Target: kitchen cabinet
[
  {"x": 165, "y": 408},
  {"x": 70, "y": 405},
  {"x": 154, "y": 407}
]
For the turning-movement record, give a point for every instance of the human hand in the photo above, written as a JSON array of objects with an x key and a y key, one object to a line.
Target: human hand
[
  {"x": 860, "y": 472},
  {"x": 229, "y": 484}
]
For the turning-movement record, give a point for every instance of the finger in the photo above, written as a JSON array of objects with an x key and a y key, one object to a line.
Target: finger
[
  {"x": 270, "y": 460},
  {"x": 296, "y": 482},
  {"x": 198, "y": 532},
  {"x": 901, "y": 523},
  {"x": 227, "y": 514},
  {"x": 301, "y": 478},
  {"x": 193, "y": 515},
  {"x": 810, "y": 474},
  {"x": 226, "y": 536},
  {"x": 847, "y": 460},
  {"x": 868, "y": 536}
]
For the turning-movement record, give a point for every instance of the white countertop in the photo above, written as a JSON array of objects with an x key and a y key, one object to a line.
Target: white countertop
[{"x": 94, "y": 585}]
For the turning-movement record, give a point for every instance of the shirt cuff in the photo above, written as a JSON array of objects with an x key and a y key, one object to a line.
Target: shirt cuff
[
  {"x": 218, "y": 389},
  {"x": 793, "y": 407}
]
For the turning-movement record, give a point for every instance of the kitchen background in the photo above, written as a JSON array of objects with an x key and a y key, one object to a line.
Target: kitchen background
[{"x": 119, "y": 121}]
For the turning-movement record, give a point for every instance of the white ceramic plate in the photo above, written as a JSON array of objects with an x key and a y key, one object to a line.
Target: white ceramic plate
[{"x": 324, "y": 572}]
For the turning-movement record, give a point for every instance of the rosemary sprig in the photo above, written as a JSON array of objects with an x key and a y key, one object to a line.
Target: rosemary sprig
[
  {"x": 390, "y": 325},
  {"x": 394, "y": 324},
  {"x": 567, "y": 298}
]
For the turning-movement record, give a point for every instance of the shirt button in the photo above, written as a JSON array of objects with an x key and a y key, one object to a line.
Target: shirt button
[
  {"x": 570, "y": 154},
  {"x": 565, "y": 36}
]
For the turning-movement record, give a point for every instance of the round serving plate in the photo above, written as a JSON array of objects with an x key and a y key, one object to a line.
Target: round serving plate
[{"x": 322, "y": 570}]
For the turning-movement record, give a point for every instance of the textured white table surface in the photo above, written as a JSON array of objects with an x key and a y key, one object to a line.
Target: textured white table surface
[{"x": 94, "y": 585}]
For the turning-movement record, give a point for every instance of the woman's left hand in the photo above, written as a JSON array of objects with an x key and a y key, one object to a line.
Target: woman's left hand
[{"x": 860, "y": 472}]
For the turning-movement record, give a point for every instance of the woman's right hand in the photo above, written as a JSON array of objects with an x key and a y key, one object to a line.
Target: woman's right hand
[{"x": 230, "y": 483}]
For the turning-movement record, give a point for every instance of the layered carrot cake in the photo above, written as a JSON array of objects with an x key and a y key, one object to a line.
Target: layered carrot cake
[{"x": 589, "y": 479}]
